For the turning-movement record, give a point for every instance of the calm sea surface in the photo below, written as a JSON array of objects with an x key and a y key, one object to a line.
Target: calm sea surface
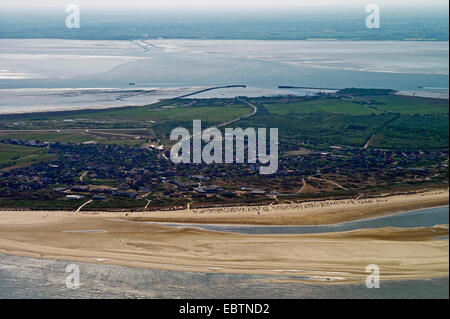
[{"x": 30, "y": 67}]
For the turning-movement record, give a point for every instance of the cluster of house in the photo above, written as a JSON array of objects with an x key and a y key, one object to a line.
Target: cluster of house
[{"x": 113, "y": 171}]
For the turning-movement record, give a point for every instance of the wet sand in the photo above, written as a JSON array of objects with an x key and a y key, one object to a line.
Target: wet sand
[
  {"x": 112, "y": 238},
  {"x": 333, "y": 257}
]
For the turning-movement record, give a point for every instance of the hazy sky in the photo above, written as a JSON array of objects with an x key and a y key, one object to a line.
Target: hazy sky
[{"x": 218, "y": 3}]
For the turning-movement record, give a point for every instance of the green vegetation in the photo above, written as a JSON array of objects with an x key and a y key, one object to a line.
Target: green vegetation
[
  {"x": 414, "y": 131},
  {"x": 214, "y": 110},
  {"x": 388, "y": 121},
  {"x": 122, "y": 126},
  {"x": 351, "y": 117},
  {"x": 364, "y": 92},
  {"x": 334, "y": 106},
  {"x": 208, "y": 114},
  {"x": 363, "y": 105},
  {"x": 12, "y": 155},
  {"x": 406, "y": 105},
  {"x": 45, "y": 136}
]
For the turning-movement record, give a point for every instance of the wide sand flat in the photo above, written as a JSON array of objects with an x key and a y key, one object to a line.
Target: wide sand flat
[{"x": 113, "y": 238}]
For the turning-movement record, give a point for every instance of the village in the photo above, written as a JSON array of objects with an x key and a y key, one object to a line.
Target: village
[{"x": 136, "y": 178}]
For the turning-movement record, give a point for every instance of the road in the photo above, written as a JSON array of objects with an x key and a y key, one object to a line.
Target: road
[
  {"x": 81, "y": 207},
  {"x": 368, "y": 141},
  {"x": 254, "y": 110},
  {"x": 303, "y": 186},
  {"x": 83, "y": 175},
  {"x": 327, "y": 181}
]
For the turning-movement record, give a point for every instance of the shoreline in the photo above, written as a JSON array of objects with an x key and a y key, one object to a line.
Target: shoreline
[
  {"x": 320, "y": 258},
  {"x": 174, "y": 224},
  {"x": 308, "y": 213},
  {"x": 157, "y": 95},
  {"x": 333, "y": 258},
  {"x": 321, "y": 212}
]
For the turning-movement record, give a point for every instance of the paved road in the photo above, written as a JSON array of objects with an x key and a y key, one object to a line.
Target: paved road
[{"x": 255, "y": 109}]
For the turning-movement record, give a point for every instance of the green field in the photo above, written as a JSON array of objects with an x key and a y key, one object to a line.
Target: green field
[
  {"x": 389, "y": 121},
  {"x": 207, "y": 110},
  {"x": 21, "y": 155},
  {"x": 334, "y": 106},
  {"x": 171, "y": 112},
  {"x": 364, "y": 106},
  {"x": 207, "y": 113},
  {"x": 411, "y": 105},
  {"x": 45, "y": 136}
]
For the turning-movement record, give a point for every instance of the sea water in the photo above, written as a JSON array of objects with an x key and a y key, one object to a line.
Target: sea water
[{"x": 32, "y": 66}]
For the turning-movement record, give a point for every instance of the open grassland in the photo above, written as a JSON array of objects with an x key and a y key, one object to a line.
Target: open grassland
[
  {"x": 72, "y": 136},
  {"x": 170, "y": 112},
  {"x": 186, "y": 110},
  {"x": 334, "y": 106},
  {"x": 45, "y": 136},
  {"x": 15, "y": 155},
  {"x": 382, "y": 121},
  {"x": 363, "y": 106},
  {"x": 407, "y": 105}
]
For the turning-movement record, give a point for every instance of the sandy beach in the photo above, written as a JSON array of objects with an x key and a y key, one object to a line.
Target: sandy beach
[
  {"x": 321, "y": 212},
  {"x": 117, "y": 239}
]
